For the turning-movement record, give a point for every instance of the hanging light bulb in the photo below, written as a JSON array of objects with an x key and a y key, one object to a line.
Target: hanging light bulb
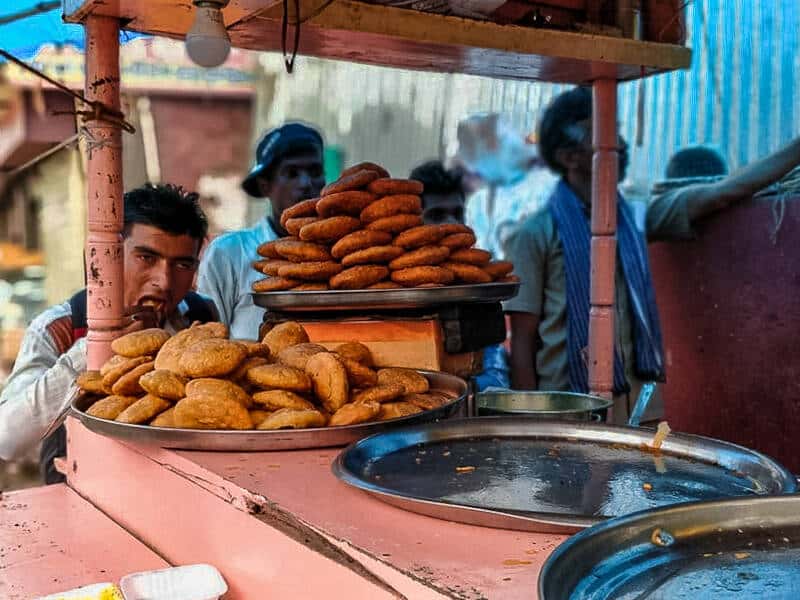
[{"x": 207, "y": 42}]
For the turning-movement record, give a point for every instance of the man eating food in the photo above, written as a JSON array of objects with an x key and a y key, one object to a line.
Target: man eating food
[{"x": 164, "y": 229}]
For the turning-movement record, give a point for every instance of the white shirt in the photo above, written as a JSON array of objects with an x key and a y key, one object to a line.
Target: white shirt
[
  {"x": 38, "y": 390},
  {"x": 226, "y": 276}
]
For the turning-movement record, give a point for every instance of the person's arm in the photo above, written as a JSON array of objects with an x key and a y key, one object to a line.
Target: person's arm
[
  {"x": 524, "y": 345},
  {"x": 216, "y": 281},
  {"x": 36, "y": 391},
  {"x": 705, "y": 199}
]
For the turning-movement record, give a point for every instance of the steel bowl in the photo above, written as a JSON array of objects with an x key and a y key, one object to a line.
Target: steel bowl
[{"x": 543, "y": 405}]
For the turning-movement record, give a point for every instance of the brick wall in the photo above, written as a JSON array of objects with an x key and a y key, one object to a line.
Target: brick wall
[{"x": 201, "y": 136}]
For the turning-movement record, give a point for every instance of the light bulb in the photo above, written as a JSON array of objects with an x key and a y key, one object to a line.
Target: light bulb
[{"x": 207, "y": 42}]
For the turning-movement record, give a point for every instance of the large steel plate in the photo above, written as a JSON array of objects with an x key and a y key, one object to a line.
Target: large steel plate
[
  {"x": 344, "y": 300},
  {"x": 555, "y": 476},
  {"x": 721, "y": 550},
  {"x": 284, "y": 439}
]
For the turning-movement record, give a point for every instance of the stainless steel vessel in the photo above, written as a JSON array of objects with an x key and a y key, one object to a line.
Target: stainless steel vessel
[
  {"x": 721, "y": 550},
  {"x": 542, "y": 405}
]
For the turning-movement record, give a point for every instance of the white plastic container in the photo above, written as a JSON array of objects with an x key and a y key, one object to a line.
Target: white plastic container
[
  {"x": 190, "y": 582},
  {"x": 96, "y": 591}
]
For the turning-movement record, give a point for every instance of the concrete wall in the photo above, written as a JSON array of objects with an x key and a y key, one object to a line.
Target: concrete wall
[{"x": 58, "y": 185}]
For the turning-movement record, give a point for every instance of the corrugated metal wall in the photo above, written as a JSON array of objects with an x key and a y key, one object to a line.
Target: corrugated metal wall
[{"x": 741, "y": 95}]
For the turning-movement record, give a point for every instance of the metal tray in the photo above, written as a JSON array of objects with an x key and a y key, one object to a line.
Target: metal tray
[
  {"x": 385, "y": 299},
  {"x": 283, "y": 439},
  {"x": 550, "y": 476},
  {"x": 723, "y": 550}
]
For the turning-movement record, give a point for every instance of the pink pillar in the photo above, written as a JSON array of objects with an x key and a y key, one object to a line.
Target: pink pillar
[
  {"x": 104, "y": 260},
  {"x": 604, "y": 243}
]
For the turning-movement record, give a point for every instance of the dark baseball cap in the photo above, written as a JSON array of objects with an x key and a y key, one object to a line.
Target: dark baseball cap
[{"x": 277, "y": 143}]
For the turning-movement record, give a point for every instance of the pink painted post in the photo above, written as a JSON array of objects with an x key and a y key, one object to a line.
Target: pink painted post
[
  {"x": 104, "y": 264},
  {"x": 604, "y": 243}
]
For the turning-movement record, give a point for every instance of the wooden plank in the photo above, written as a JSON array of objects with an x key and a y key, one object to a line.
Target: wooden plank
[
  {"x": 409, "y": 39},
  {"x": 158, "y": 15},
  {"x": 52, "y": 540}
]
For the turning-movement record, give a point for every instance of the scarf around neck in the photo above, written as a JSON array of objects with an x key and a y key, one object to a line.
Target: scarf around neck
[{"x": 575, "y": 234}]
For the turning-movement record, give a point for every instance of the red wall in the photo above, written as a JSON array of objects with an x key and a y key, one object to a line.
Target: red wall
[
  {"x": 730, "y": 309},
  {"x": 199, "y": 136}
]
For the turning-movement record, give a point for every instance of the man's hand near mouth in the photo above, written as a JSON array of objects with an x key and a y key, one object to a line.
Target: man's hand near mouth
[{"x": 141, "y": 317}]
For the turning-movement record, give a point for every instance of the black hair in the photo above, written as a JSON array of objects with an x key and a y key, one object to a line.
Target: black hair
[
  {"x": 565, "y": 110},
  {"x": 167, "y": 207},
  {"x": 437, "y": 179},
  {"x": 696, "y": 161}
]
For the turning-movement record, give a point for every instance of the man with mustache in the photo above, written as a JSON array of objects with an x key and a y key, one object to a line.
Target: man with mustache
[
  {"x": 288, "y": 169},
  {"x": 164, "y": 231},
  {"x": 551, "y": 254}
]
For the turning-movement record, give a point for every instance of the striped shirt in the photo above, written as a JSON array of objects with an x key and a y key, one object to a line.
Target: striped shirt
[{"x": 37, "y": 391}]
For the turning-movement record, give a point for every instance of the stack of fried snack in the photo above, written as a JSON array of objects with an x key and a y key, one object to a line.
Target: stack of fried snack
[
  {"x": 199, "y": 379},
  {"x": 366, "y": 232}
]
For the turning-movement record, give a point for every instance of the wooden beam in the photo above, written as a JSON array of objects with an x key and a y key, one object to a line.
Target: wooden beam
[
  {"x": 410, "y": 39},
  {"x": 604, "y": 243}
]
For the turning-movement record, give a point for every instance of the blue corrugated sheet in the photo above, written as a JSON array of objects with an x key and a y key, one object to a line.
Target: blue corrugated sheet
[{"x": 741, "y": 94}]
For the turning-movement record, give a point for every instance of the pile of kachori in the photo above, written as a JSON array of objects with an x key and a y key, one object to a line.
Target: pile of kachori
[
  {"x": 365, "y": 231},
  {"x": 200, "y": 379}
]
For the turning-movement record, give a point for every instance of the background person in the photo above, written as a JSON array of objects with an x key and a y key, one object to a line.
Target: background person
[
  {"x": 288, "y": 169},
  {"x": 443, "y": 202},
  {"x": 551, "y": 254}
]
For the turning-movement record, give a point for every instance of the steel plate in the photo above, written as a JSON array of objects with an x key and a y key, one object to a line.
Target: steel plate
[
  {"x": 337, "y": 300},
  {"x": 553, "y": 476},
  {"x": 722, "y": 550},
  {"x": 258, "y": 441}
]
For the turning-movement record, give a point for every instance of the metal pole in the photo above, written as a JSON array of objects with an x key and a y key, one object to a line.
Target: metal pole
[
  {"x": 104, "y": 256},
  {"x": 604, "y": 243}
]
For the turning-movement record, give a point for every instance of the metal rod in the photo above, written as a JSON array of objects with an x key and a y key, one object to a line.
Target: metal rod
[
  {"x": 104, "y": 255},
  {"x": 25, "y": 66},
  {"x": 73, "y": 139},
  {"x": 37, "y": 9},
  {"x": 604, "y": 228}
]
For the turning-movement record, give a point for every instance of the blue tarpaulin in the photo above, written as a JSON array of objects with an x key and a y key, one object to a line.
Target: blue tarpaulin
[{"x": 24, "y": 37}]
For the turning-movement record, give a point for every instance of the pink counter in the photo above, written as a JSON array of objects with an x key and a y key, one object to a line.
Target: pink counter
[
  {"x": 276, "y": 524},
  {"x": 52, "y": 540}
]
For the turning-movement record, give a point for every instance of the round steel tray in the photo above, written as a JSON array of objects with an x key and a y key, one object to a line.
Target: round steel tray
[
  {"x": 720, "y": 550},
  {"x": 336, "y": 300},
  {"x": 548, "y": 476},
  {"x": 258, "y": 441}
]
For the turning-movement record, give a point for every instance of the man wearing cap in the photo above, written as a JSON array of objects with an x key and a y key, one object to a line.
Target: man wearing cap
[{"x": 288, "y": 168}]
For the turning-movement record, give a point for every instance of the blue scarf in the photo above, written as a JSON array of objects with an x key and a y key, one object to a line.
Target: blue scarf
[{"x": 575, "y": 233}]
